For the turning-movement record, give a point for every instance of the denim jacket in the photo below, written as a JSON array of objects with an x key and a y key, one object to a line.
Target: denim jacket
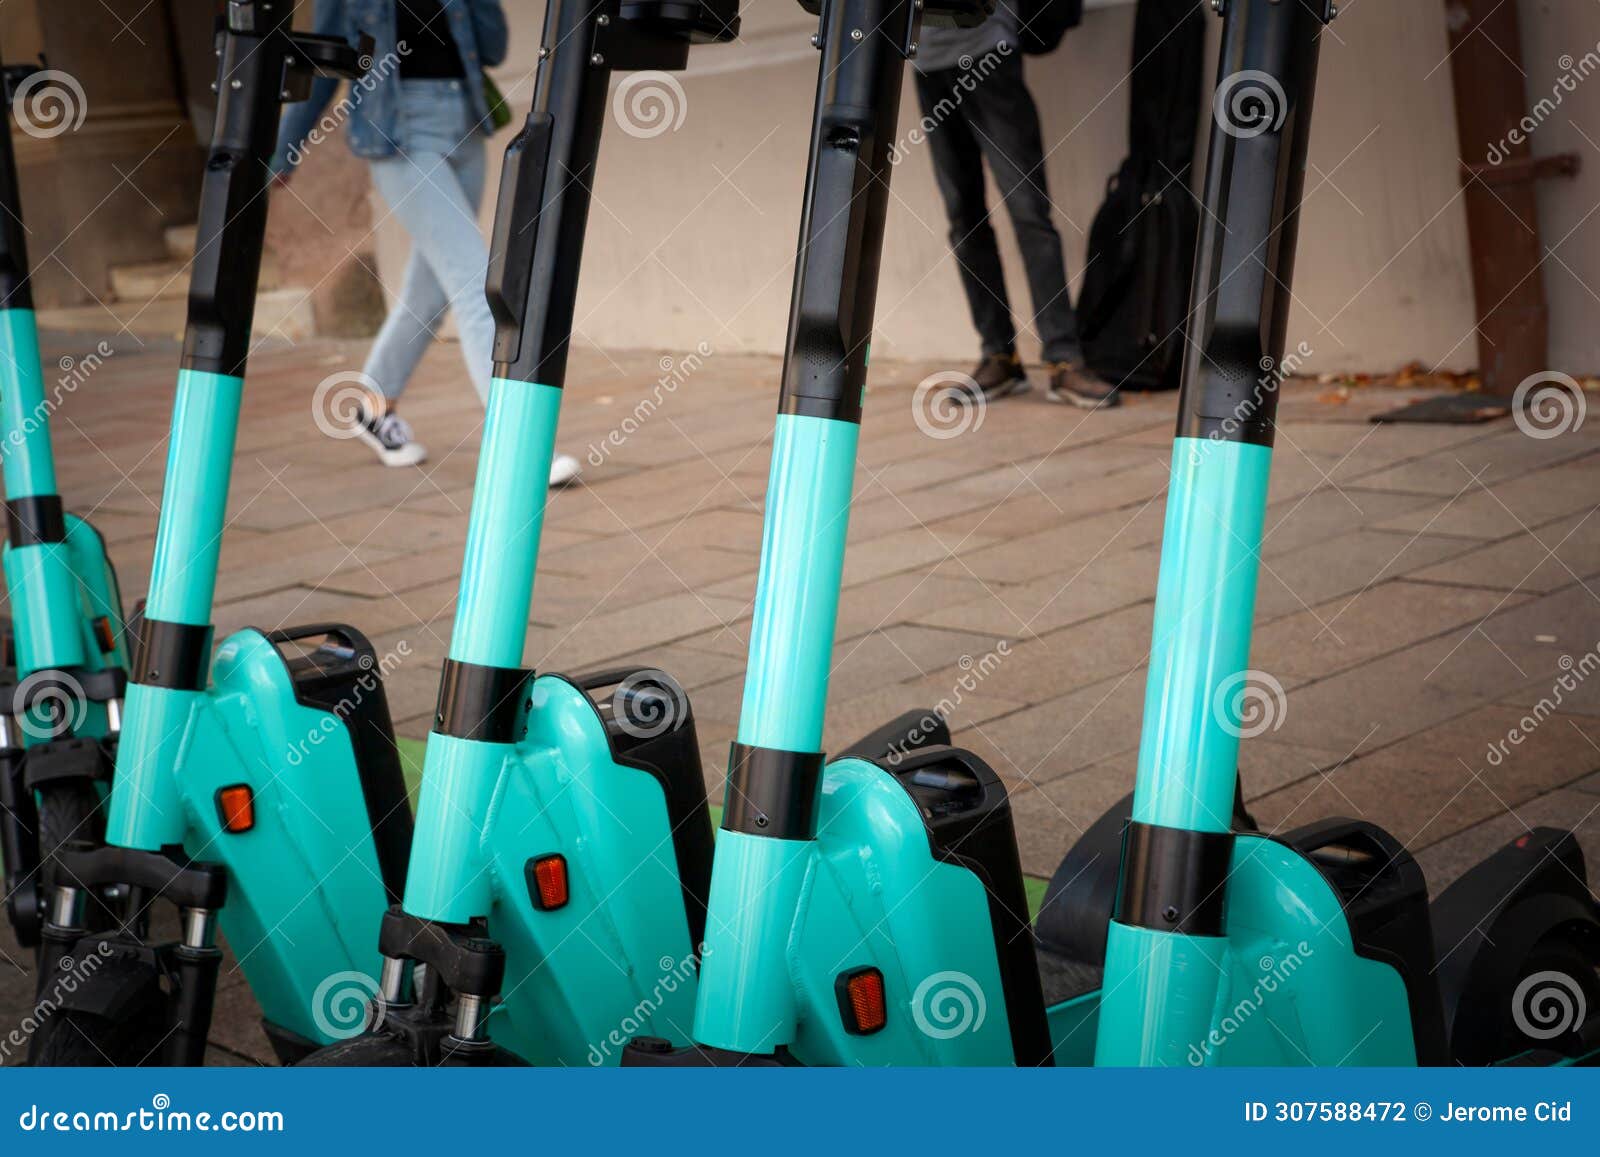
[{"x": 372, "y": 115}]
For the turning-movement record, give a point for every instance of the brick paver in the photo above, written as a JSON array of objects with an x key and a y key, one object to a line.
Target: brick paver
[{"x": 1423, "y": 588}]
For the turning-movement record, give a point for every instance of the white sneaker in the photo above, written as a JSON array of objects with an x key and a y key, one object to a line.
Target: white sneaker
[
  {"x": 564, "y": 469},
  {"x": 390, "y": 437}
]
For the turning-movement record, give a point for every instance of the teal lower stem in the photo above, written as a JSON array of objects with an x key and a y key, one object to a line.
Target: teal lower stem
[
  {"x": 797, "y": 595},
  {"x": 146, "y": 810},
  {"x": 1200, "y": 640},
  {"x": 45, "y": 614},
  {"x": 194, "y": 497},
  {"x": 508, "y": 504},
  {"x": 1160, "y": 987},
  {"x": 448, "y": 879},
  {"x": 1161, "y": 1003},
  {"x": 746, "y": 999},
  {"x": 25, "y": 454},
  {"x": 39, "y": 578}
]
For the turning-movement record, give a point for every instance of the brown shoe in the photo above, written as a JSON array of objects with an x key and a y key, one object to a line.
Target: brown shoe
[
  {"x": 1000, "y": 376},
  {"x": 1074, "y": 385}
]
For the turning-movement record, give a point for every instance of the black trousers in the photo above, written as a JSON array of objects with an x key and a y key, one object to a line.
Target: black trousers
[{"x": 993, "y": 118}]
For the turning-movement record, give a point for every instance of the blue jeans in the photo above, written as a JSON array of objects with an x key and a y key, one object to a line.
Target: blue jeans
[{"x": 433, "y": 188}]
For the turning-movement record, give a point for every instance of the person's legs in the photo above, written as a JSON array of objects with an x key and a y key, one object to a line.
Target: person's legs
[
  {"x": 432, "y": 190},
  {"x": 1006, "y": 125},
  {"x": 408, "y": 330},
  {"x": 958, "y": 165}
]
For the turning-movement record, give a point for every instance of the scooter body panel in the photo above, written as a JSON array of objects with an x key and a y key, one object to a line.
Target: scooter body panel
[
  {"x": 873, "y": 895},
  {"x": 616, "y": 960},
  {"x": 305, "y": 893},
  {"x": 1294, "y": 990}
]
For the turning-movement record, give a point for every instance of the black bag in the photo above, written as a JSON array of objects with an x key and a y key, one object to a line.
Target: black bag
[
  {"x": 1042, "y": 23},
  {"x": 1133, "y": 308}
]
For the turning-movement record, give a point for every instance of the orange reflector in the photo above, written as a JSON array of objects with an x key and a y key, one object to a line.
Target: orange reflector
[
  {"x": 861, "y": 1001},
  {"x": 547, "y": 882},
  {"x": 236, "y": 806},
  {"x": 103, "y": 635}
]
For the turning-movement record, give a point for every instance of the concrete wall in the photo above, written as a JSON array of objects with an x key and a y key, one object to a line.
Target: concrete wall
[
  {"x": 1561, "y": 55},
  {"x": 693, "y": 231}
]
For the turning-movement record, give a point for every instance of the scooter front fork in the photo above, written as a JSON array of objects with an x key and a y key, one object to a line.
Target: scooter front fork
[{"x": 425, "y": 963}]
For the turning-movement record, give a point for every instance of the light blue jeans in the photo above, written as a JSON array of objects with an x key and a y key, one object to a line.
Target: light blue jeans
[{"x": 433, "y": 189}]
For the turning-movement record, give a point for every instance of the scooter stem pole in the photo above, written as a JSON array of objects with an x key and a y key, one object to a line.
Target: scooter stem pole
[
  {"x": 1166, "y": 949},
  {"x": 774, "y": 783},
  {"x": 536, "y": 250},
  {"x": 38, "y": 571},
  {"x": 175, "y": 643}
]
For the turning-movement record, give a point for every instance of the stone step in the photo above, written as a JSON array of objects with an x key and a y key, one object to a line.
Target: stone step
[
  {"x": 180, "y": 241},
  {"x": 145, "y": 280},
  {"x": 284, "y": 313}
]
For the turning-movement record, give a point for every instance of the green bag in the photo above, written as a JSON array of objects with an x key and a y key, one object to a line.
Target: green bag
[{"x": 499, "y": 110}]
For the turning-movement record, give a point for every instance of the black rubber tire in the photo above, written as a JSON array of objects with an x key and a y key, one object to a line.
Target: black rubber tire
[
  {"x": 74, "y": 812},
  {"x": 367, "y": 1051},
  {"x": 69, "y": 812},
  {"x": 72, "y": 1039}
]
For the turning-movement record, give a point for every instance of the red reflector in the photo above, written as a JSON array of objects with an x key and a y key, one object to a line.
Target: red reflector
[
  {"x": 547, "y": 879},
  {"x": 103, "y": 635},
  {"x": 861, "y": 1001},
  {"x": 236, "y": 807}
]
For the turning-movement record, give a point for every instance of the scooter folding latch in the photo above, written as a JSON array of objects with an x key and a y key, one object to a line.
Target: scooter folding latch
[
  {"x": 629, "y": 46},
  {"x": 913, "y": 28}
]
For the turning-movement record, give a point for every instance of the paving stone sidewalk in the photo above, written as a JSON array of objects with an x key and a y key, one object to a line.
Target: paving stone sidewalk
[{"x": 1429, "y": 600}]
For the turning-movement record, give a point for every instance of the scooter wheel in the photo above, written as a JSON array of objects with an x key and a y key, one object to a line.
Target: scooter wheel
[
  {"x": 74, "y": 813},
  {"x": 84, "y": 1040},
  {"x": 370, "y": 1050},
  {"x": 69, "y": 813}
]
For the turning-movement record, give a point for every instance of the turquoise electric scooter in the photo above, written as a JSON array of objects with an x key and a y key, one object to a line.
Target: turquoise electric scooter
[
  {"x": 556, "y": 891},
  {"x": 61, "y": 704},
  {"x": 872, "y": 911},
  {"x": 259, "y": 787}
]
